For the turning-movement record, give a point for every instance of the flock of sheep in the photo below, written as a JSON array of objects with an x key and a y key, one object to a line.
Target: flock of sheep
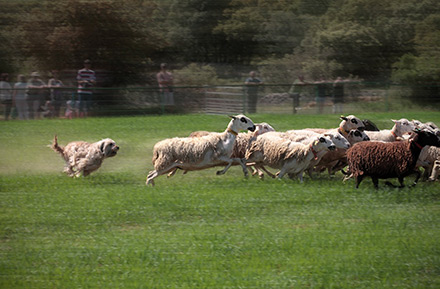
[{"x": 356, "y": 145}]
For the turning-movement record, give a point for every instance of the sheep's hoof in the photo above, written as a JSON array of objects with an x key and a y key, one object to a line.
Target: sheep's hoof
[
  {"x": 149, "y": 182},
  {"x": 219, "y": 173}
]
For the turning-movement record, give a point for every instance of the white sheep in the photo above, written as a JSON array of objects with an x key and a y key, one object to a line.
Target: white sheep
[
  {"x": 401, "y": 127},
  {"x": 356, "y": 135},
  {"x": 427, "y": 158},
  {"x": 304, "y": 136},
  {"x": 347, "y": 124},
  {"x": 336, "y": 160},
  {"x": 241, "y": 144},
  {"x": 430, "y": 126},
  {"x": 197, "y": 153},
  {"x": 435, "y": 171},
  {"x": 289, "y": 157}
]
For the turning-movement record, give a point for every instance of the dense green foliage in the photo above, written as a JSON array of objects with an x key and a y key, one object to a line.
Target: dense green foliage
[
  {"x": 200, "y": 230},
  {"x": 364, "y": 38}
]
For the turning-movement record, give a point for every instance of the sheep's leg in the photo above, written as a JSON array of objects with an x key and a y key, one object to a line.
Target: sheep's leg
[
  {"x": 230, "y": 162},
  {"x": 260, "y": 171},
  {"x": 281, "y": 173},
  {"x": 375, "y": 182},
  {"x": 244, "y": 167},
  {"x": 401, "y": 182},
  {"x": 154, "y": 174},
  {"x": 172, "y": 173},
  {"x": 347, "y": 177},
  {"x": 254, "y": 170},
  {"x": 359, "y": 180},
  {"x": 151, "y": 176},
  {"x": 267, "y": 172},
  {"x": 310, "y": 172},
  {"x": 300, "y": 175},
  {"x": 225, "y": 169},
  {"x": 418, "y": 174},
  {"x": 427, "y": 172}
]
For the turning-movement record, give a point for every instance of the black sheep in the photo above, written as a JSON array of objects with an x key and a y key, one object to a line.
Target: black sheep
[
  {"x": 381, "y": 160},
  {"x": 369, "y": 125}
]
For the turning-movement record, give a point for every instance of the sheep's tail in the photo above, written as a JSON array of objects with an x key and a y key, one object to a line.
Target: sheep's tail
[{"x": 56, "y": 147}]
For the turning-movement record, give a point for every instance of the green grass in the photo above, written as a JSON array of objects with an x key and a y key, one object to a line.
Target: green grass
[{"x": 201, "y": 230}]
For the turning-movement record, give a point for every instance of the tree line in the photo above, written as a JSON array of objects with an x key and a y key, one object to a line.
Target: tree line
[{"x": 394, "y": 40}]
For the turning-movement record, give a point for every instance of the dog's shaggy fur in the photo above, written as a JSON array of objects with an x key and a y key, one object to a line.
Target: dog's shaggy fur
[{"x": 82, "y": 158}]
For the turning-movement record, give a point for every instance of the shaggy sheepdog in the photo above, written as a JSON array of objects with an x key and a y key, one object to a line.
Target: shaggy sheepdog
[{"x": 82, "y": 158}]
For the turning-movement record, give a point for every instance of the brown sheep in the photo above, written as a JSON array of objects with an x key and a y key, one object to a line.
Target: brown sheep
[{"x": 388, "y": 160}]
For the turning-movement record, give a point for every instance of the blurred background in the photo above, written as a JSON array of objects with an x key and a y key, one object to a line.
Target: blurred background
[{"x": 386, "y": 52}]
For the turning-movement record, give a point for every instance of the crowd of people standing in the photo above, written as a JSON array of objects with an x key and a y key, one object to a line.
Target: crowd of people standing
[
  {"x": 33, "y": 98},
  {"x": 323, "y": 89}
]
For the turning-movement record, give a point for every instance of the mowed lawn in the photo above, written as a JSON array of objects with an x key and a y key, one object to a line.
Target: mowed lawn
[{"x": 201, "y": 230}]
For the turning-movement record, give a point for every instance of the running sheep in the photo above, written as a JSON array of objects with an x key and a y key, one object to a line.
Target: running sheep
[
  {"x": 400, "y": 127},
  {"x": 289, "y": 157},
  {"x": 304, "y": 136},
  {"x": 347, "y": 124},
  {"x": 381, "y": 160},
  {"x": 435, "y": 171},
  {"x": 197, "y": 153},
  {"x": 242, "y": 141},
  {"x": 427, "y": 158},
  {"x": 336, "y": 160}
]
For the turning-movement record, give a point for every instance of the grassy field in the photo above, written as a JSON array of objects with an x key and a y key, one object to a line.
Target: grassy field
[{"x": 200, "y": 230}]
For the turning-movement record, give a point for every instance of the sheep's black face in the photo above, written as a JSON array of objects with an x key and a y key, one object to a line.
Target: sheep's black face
[
  {"x": 244, "y": 120},
  {"x": 426, "y": 138},
  {"x": 360, "y": 124}
]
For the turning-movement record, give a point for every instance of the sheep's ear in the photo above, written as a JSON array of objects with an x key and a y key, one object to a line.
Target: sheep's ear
[
  {"x": 393, "y": 120},
  {"x": 233, "y": 117},
  {"x": 343, "y": 117}
]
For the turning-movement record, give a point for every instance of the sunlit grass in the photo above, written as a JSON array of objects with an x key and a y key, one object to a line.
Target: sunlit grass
[{"x": 201, "y": 230}]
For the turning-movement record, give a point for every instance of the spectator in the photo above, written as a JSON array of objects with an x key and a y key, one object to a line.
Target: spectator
[
  {"x": 6, "y": 94},
  {"x": 56, "y": 93},
  {"x": 296, "y": 90},
  {"x": 35, "y": 94},
  {"x": 70, "y": 109},
  {"x": 165, "y": 81},
  {"x": 47, "y": 109},
  {"x": 252, "y": 85},
  {"x": 20, "y": 97},
  {"x": 320, "y": 93},
  {"x": 338, "y": 95},
  {"x": 86, "y": 80}
]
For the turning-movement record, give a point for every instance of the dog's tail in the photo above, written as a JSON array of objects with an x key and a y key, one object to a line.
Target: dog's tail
[{"x": 56, "y": 147}]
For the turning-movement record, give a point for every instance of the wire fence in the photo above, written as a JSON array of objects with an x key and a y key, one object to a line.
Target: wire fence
[{"x": 358, "y": 97}]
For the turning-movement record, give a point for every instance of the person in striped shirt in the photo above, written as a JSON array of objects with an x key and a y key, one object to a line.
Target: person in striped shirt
[{"x": 86, "y": 80}]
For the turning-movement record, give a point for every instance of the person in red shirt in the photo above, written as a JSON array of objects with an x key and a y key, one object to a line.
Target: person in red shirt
[{"x": 165, "y": 81}]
